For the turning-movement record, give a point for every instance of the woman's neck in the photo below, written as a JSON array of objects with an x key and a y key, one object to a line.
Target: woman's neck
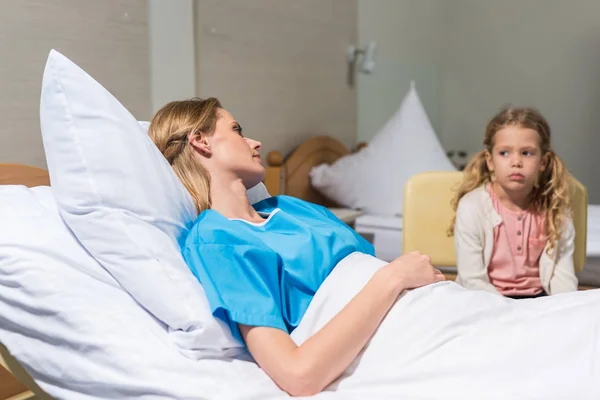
[
  {"x": 514, "y": 201},
  {"x": 229, "y": 197}
]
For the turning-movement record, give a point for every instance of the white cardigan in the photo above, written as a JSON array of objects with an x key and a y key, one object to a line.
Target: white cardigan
[{"x": 476, "y": 219}]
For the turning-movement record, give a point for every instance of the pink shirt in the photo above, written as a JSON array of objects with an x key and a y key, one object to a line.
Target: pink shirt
[{"x": 519, "y": 241}]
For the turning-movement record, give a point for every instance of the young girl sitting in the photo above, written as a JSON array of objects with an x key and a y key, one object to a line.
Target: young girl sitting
[{"x": 513, "y": 230}]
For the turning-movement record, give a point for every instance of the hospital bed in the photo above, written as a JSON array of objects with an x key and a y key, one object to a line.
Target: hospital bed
[
  {"x": 289, "y": 175},
  {"x": 88, "y": 320}
]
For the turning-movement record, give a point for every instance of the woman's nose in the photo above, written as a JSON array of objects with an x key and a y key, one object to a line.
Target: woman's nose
[{"x": 255, "y": 144}]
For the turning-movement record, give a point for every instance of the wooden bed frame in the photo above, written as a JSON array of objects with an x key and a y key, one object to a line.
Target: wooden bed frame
[
  {"x": 290, "y": 174},
  {"x": 15, "y": 382}
]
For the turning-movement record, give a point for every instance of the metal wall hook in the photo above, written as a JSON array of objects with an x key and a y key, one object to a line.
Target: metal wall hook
[{"x": 367, "y": 60}]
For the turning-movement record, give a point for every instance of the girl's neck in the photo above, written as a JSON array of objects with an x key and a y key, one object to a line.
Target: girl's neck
[
  {"x": 229, "y": 197},
  {"x": 514, "y": 201}
]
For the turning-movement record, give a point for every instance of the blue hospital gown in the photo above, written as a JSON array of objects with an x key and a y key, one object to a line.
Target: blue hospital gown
[{"x": 266, "y": 274}]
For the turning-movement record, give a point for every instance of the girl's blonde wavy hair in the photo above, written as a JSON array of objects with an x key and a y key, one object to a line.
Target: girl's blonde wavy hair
[
  {"x": 170, "y": 129},
  {"x": 551, "y": 192}
]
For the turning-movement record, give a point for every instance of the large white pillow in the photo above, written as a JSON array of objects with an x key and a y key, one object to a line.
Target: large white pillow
[
  {"x": 373, "y": 179},
  {"x": 124, "y": 203},
  {"x": 74, "y": 329}
]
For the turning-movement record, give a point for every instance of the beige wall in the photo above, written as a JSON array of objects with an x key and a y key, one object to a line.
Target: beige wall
[
  {"x": 408, "y": 35},
  {"x": 544, "y": 53},
  {"x": 171, "y": 34},
  {"x": 279, "y": 66},
  {"x": 108, "y": 38}
]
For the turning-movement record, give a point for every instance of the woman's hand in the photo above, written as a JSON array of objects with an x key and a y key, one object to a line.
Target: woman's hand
[{"x": 413, "y": 270}]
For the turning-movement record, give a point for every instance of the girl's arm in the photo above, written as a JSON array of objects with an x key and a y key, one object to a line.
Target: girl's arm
[
  {"x": 307, "y": 369},
  {"x": 468, "y": 243},
  {"x": 564, "y": 279}
]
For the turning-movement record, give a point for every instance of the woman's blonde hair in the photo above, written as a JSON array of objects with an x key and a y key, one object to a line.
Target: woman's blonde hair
[
  {"x": 551, "y": 192},
  {"x": 170, "y": 129}
]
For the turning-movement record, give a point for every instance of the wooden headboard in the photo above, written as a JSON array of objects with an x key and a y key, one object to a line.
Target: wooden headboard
[
  {"x": 290, "y": 175},
  {"x": 18, "y": 174}
]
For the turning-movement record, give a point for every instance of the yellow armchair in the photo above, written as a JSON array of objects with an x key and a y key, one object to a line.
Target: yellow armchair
[{"x": 427, "y": 214}]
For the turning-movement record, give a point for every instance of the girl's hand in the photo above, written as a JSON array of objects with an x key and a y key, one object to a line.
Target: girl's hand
[{"x": 413, "y": 270}]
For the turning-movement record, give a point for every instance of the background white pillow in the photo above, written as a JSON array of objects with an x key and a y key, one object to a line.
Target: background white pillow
[
  {"x": 124, "y": 203},
  {"x": 373, "y": 179}
]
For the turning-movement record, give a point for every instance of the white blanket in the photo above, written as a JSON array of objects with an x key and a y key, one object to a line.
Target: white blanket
[
  {"x": 446, "y": 342},
  {"x": 437, "y": 342}
]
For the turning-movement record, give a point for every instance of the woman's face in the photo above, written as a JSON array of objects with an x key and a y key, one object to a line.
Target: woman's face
[{"x": 228, "y": 152}]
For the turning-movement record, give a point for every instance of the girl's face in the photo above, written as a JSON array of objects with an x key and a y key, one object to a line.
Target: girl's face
[
  {"x": 516, "y": 158},
  {"x": 226, "y": 152}
]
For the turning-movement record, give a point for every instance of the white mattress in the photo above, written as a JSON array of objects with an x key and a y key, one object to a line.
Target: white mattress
[
  {"x": 386, "y": 235},
  {"x": 593, "y": 231},
  {"x": 384, "y": 232}
]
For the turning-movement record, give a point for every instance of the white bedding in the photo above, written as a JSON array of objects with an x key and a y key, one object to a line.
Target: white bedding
[
  {"x": 443, "y": 341},
  {"x": 593, "y": 231},
  {"x": 440, "y": 341},
  {"x": 384, "y": 232}
]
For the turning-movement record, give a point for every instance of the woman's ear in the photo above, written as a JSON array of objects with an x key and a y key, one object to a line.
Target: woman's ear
[{"x": 200, "y": 144}]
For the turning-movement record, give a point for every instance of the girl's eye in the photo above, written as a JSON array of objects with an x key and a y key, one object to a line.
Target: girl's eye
[
  {"x": 528, "y": 153},
  {"x": 503, "y": 153}
]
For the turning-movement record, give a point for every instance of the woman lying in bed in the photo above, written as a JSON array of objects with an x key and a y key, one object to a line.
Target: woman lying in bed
[{"x": 261, "y": 264}]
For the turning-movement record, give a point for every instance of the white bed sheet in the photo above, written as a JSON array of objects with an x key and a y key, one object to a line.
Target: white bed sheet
[
  {"x": 593, "y": 231},
  {"x": 590, "y": 275},
  {"x": 446, "y": 342},
  {"x": 384, "y": 232},
  {"x": 434, "y": 343}
]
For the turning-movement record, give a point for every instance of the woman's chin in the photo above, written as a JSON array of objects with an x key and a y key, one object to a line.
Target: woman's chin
[{"x": 255, "y": 177}]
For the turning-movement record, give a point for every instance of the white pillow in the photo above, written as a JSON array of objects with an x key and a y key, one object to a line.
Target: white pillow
[
  {"x": 145, "y": 125},
  {"x": 72, "y": 327},
  {"x": 124, "y": 203},
  {"x": 373, "y": 179}
]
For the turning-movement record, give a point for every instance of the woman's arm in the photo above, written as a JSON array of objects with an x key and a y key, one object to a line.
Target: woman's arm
[
  {"x": 307, "y": 369},
  {"x": 472, "y": 272},
  {"x": 564, "y": 279}
]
